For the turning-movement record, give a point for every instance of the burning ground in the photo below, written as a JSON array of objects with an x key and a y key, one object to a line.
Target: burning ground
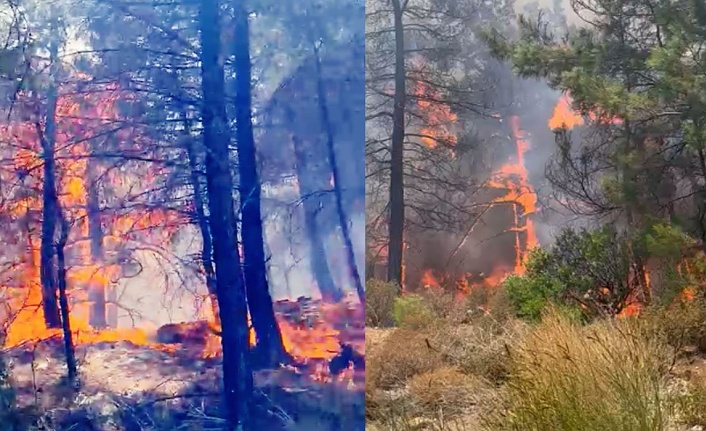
[
  {"x": 108, "y": 243},
  {"x": 131, "y": 380}
]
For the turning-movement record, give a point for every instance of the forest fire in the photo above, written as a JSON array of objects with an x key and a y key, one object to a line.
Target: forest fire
[
  {"x": 97, "y": 244},
  {"x": 511, "y": 179},
  {"x": 438, "y": 117},
  {"x": 520, "y": 194}
]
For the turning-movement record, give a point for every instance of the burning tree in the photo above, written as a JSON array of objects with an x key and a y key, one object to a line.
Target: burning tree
[
  {"x": 455, "y": 161},
  {"x": 122, "y": 152},
  {"x": 631, "y": 159}
]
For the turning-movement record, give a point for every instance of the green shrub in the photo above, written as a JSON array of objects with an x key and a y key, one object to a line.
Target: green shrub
[
  {"x": 590, "y": 269},
  {"x": 599, "y": 377},
  {"x": 379, "y": 301},
  {"x": 412, "y": 311},
  {"x": 529, "y": 296}
]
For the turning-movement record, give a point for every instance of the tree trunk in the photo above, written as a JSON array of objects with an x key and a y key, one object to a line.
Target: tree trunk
[
  {"x": 230, "y": 286},
  {"x": 312, "y": 202},
  {"x": 342, "y": 216},
  {"x": 270, "y": 348},
  {"x": 50, "y": 201},
  {"x": 63, "y": 300},
  {"x": 97, "y": 315},
  {"x": 396, "y": 223},
  {"x": 200, "y": 208}
]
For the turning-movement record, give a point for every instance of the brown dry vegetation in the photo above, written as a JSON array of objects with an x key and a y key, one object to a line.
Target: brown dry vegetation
[{"x": 495, "y": 373}]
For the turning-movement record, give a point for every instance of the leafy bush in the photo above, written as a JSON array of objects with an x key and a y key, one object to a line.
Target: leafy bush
[
  {"x": 679, "y": 266},
  {"x": 379, "y": 300},
  {"x": 587, "y": 270},
  {"x": 570, "y": 377},
  {"x": 412, "y": 311}
]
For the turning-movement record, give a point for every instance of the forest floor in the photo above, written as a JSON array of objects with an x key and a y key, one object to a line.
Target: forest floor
[
  {"x": 130, "y": 387},
  {"x": 442, "y": 376}
]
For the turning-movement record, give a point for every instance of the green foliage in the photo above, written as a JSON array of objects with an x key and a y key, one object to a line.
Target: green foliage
[
  {"x": 411, "y": 311},
  {"x": 666, "y": 241},
  {"x": 379, "y": 300},
  {"x": 587, "y": 268},
  {"x": 530, "y": 294},
  {"x": 637, "y": 62}
]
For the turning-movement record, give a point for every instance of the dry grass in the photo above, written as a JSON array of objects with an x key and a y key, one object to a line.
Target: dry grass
[
  {"x": 606, "y": 376},
  {"x": 560, "y": 375},
  {"x": 480, "y": 348},
  {"x": 402, "y": 355},
  {"x": 446, "y": 390},
  {"x": 692, "y": 405},
  {"x": 681, "y": 324}
]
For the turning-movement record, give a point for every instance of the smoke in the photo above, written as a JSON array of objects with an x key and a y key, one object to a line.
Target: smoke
[{"x": 487, "y": 245}]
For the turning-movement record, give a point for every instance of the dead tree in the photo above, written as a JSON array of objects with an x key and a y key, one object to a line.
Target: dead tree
[{"x": 397, "y": 203}]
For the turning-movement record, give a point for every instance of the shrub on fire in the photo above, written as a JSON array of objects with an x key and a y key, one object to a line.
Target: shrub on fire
[{"x": 592, "y": 273}]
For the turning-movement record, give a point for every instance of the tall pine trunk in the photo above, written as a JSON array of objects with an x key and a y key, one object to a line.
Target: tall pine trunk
[
  {"x": 270, "y": 348},
  {"x": 230, "y": 286},
  {"x": 50, "y": 201},
  {"x": 202, "y": 220},
  {"x": 396, "y": 222},
  {"x": 97, "y": 290},
  {"x": 312, "y": 202},
  {"x": 69, "y": 352},
  {"x": 333, "y": 162}
]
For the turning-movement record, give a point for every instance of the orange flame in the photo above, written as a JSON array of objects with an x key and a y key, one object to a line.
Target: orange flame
[
  {"x": 513, "y": 177},
  {"x": 437, "y": 116}
]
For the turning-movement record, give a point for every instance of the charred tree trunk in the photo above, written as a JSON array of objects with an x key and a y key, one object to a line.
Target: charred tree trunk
[
  {"x": 342, "y": 216},
  {"x": 312, "y": 204},
  {"x": 50, "y": 200},
  {"x": 230, "y": 286},
  {"x": 270, "y": 348},
  {"x": 202, "y": 220},
  {"x": 63, "y": 300},
  {"x": 97, "y": 291},
  {"x": 397, "y": 217}
]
